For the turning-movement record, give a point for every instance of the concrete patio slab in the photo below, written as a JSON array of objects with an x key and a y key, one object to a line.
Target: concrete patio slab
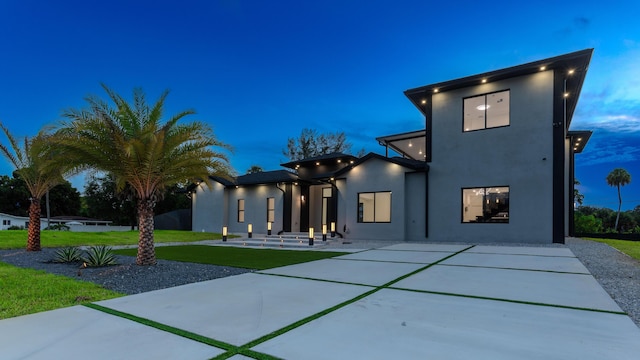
[
  {"x": 528, "y": 262},
  {"x": 394, "y": 324},
  {"x": 425, "y": 247},
  {"x": 420, "y": 257},
  {"x": 522, "y": 250},
  {"x": 371, "y": 273},
  {"x": 236, "y": 309},
  {"x": 83, "y": 332},
  {"x": 576, "y": 290}
]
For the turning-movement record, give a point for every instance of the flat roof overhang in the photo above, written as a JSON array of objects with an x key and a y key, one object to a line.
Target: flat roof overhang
[
  {"x": 410, "y": 145},
  {"x": 574, "y": 65},
  {"x": 579, "y": 139}
]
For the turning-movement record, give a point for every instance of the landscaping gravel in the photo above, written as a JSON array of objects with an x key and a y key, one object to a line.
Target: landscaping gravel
[
  {"x": 618, "y": 273},
  {"x": 126, "y": 277}
]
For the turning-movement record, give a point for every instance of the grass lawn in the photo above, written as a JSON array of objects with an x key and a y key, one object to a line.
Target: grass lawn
[
  {"x": 17, "y": 239},
  {"x": 259, "y": 259},
  {"x": 27, "y": 291},
  {"x": 631, "y": 248}
]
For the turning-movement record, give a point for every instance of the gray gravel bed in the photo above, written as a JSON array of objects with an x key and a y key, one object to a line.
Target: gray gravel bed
[{"x": 126, "y": 277}]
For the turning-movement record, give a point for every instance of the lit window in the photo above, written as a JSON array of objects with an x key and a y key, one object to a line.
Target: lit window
[
  {"x": 271, "y": 209},
  {"x": 374, "y": 207},
  {"x": 485, "y": 205},
  {"x": 486, "y": 111},
  {"x": 240, "y": 210}
]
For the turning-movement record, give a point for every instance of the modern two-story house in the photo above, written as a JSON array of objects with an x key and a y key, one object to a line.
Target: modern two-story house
[{"x": 493, "y": 164}]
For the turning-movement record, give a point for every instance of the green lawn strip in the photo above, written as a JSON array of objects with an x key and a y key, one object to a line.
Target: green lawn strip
[
  {"x": 631, "y": 248},
  {"x": 310, "y": 318},
  {"x": 17, "y": 239},
  {"x": 163, "y": 327},
  {"x": 28, "y": 291},
  {"x": 512, "y": 301},
  {"x": 259, "y": 259}
]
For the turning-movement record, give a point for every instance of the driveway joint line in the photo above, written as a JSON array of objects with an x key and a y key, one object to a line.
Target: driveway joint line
[{"x": 510, "y": 301}]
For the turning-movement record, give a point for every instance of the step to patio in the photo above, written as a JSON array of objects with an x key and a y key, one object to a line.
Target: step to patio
[{"x": 275, "y": 241}]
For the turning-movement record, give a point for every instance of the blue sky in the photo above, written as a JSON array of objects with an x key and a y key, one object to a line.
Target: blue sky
[{"x": 260, "y": 71}]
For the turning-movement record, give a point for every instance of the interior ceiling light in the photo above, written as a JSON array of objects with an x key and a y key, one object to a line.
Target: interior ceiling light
[{"x": 483, "y": 107}]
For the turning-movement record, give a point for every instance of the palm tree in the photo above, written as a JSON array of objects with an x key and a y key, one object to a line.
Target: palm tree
[
  {"x": 32, "y": 162},
  {"x": 618, "y": 177},
  {"x": 132, "y": 143}
]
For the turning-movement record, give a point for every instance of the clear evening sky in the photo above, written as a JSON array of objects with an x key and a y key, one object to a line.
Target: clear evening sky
[{"x": 260, "y": 71}]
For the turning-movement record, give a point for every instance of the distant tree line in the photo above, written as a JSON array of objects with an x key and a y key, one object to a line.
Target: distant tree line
[{"x": 591, "y": 220}]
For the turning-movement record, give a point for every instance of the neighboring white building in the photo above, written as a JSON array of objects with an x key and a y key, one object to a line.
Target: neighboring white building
[
  {"x": 7, "y": 221},
  {"x": 494, "y": 164}
]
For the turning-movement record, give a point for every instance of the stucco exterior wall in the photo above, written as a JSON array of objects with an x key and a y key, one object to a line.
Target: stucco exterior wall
[
  {"x": 375, "y": 176},
  {"x": 415, "y": 217},
  {"x": 519, "y": 156},
  {"x": 255, "y": 208},
  {"x": 208, "y": 208}
]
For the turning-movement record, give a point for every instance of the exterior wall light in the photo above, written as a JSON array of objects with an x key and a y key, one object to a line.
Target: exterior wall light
[
  {"x": 268, "y": 227},
  {"x": 224, "y": 233},
  {"x": 250, "y": 231}
]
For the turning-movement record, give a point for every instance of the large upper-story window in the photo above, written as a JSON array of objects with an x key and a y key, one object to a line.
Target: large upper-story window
[
  {"x": 485, "y": 205},
  {"x": 486, "y": 111},
  {"x": 374, "y": 207}
]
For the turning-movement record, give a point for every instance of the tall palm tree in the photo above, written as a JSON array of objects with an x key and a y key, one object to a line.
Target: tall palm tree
[
  {"x": 32, "y": 162},
  {"x": 132, "y": 143},
  {"x": 618, "y": 177}
]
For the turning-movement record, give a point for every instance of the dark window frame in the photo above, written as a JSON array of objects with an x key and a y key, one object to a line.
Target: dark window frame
[
  {"x": 271, "y": 211},
  {"x": 485, "y": 111},
  {"x": 241, "y": 210},
  {"x": 360, "y": 215},
  {"x": 496, "y": 221}
]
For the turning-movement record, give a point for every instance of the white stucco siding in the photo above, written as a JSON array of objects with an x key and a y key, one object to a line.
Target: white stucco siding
[
  {"x": 208, "y": 208},
  {"x": 518, "y": 156},
  {"x": 376, "y": 176}
]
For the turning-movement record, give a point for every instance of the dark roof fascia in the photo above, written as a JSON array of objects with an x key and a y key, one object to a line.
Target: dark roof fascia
[
  {"x": 408, "y": 163},
  {"x": 320, "y": 158},
  {"x": 577, "y": 61},
  {"x": 583, "y": 135},
  {"x": 266, "y": 177}
]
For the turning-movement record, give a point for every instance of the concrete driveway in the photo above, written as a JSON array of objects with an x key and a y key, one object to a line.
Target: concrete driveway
[{"x": 405, "y": 301}]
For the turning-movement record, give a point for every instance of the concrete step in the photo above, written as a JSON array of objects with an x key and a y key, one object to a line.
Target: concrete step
[{"x": 271, "y": 242}]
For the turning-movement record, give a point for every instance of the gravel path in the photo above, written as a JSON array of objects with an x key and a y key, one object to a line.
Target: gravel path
[{"x": 618, "y": 273}]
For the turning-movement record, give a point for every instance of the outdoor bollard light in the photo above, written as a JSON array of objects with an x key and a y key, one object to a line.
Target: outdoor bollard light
[
  {"x": 250, "y": 230},
  {"x": 333, "y": 229},
  {"x": 310, "y": 236},
  {"x": 268, "y": 227},
  {"x": 324, "y": 232},
  {"x": 224, "y": 233}
]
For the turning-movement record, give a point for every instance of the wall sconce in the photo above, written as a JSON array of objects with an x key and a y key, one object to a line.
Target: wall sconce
[
  {"x": 224, "y": 233},
  {"x": 268, "y": 227},
  {"x": 324, "y": 232},
  {"x": 310, "y": 236},
  {"x": 302, "y": 198},
  {"x": 333, "y": 229},
  {"x": 250, "y": 230}
]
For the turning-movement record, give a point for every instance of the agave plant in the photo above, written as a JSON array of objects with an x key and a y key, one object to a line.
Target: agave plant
[
  {"x": 68, "y": 254},
  {"x": 100, "y": 256}
]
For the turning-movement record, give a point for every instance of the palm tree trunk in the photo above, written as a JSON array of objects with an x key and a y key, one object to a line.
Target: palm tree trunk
[
  {"x": 33, "y": 237},
  {"x": 146, "y": 248},
  {"x": 619, "y": 207}
]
